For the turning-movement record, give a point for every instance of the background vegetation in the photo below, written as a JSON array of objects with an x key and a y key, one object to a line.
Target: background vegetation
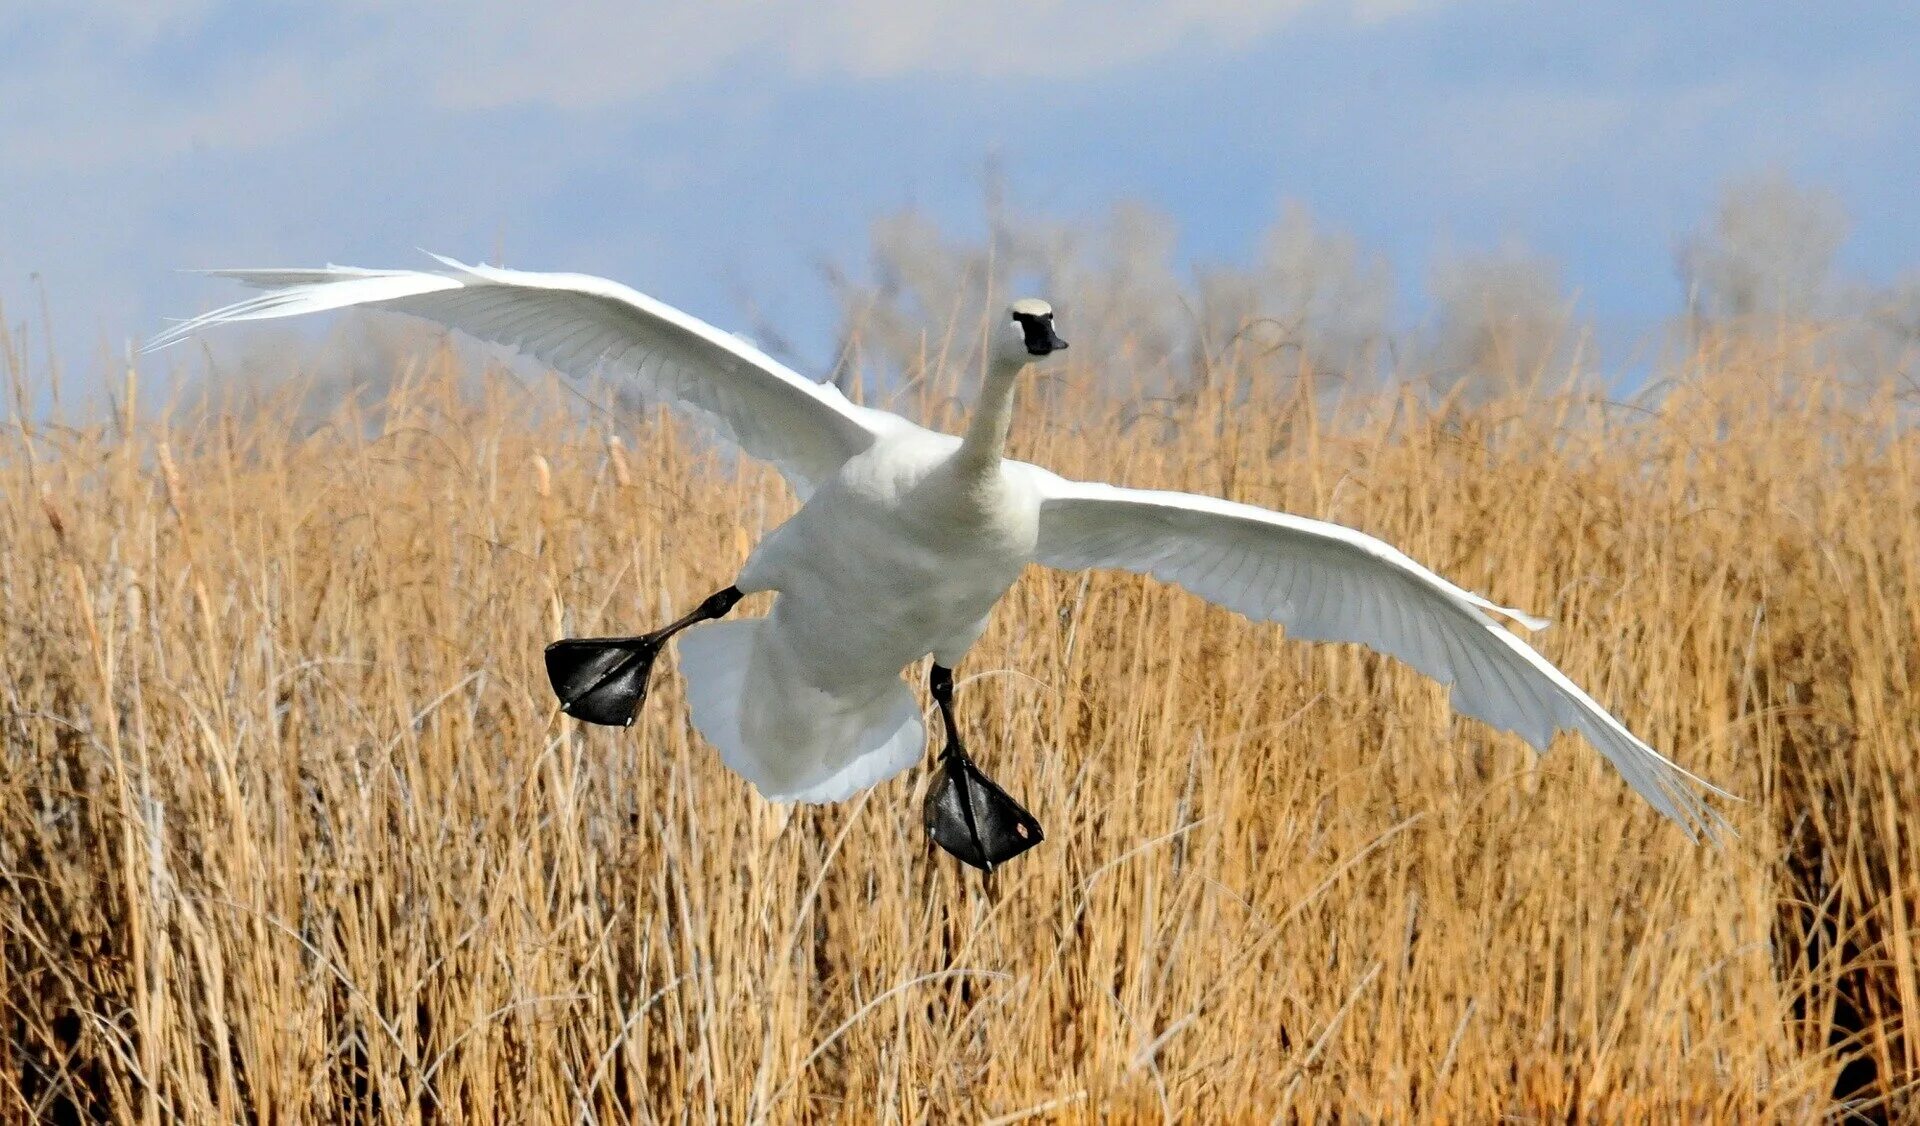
[{"x": 290, "y": 828}]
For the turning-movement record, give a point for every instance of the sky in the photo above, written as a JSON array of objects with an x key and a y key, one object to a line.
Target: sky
[{"x": 716, "y": 153}]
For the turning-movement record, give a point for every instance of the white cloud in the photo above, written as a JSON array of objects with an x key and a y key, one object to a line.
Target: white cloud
[
  {"x": 49, "y": 126},
  {"x": 603, "y": 51},
  {"x": 1517, "y": 139},
  {"x": 99, "y": 84},
  {"x": 102, "y": 83},
  {"x": 123, "y": 22}
]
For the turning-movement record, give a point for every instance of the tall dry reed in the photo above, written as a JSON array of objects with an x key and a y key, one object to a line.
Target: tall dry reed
[{"x": 290, "y": 828}]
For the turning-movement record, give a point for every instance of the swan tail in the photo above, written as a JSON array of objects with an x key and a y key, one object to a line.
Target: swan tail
[{"x": 794, "y": 742}]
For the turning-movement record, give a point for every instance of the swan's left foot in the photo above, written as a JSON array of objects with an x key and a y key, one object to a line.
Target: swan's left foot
[
  {"x": 604, "y": 679},
  {"x": 966, "y": 813},
  {"x": 974, "y": 819}
]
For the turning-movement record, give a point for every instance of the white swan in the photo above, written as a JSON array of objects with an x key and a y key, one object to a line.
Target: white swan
[{"x": 909, "y": 537}]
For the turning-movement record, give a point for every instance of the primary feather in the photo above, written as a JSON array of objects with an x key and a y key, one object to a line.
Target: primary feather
[{"x": 581, "y": 325}]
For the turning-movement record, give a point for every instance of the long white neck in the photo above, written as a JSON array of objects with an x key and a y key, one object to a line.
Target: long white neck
[{"x": 986, "y": 433}]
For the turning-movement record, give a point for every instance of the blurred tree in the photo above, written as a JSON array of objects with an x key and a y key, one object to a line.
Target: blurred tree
[
  {"x": 1501, "y": 323},
  {"x": 359, "y": 359},
  {"x": 1313, "y": 293},
  {"x": 1313, "y": 303},
  {"x": 1763, "y": 266},
  {"x": 1897, "y": 311},
  {"x": 932, "y": 297},
  {"x": 1767, "y": 250}
]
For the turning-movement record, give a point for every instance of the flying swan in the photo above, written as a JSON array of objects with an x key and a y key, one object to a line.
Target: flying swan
[{"x": 907, "y": 539}]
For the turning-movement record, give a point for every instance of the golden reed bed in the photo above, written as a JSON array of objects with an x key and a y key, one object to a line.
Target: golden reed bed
[{"x": 290, "y": 829}]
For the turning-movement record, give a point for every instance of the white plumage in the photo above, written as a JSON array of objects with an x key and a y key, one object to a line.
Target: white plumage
[{"x": 909, "y": 537}]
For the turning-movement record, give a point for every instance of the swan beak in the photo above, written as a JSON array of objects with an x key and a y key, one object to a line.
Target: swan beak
[{"x": 1048, "y": 347}]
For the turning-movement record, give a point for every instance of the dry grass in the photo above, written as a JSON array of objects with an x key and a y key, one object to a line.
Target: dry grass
[{"x": 289, "y": 827}]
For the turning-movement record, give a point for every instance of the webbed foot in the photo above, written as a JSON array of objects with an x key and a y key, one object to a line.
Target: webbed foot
[
  {"x": 602, "y": 680},
  {"x": 973, "y": 818}
]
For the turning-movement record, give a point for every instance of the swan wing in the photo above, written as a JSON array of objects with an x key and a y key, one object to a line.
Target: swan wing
[
  {"x": 579, "y": 324},
  {"x": 1325, "y": 582}
]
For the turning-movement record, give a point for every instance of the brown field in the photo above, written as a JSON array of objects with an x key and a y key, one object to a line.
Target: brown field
[{"x": 290, "y": 828}]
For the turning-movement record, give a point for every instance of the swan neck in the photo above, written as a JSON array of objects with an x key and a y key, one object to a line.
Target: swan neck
[{"x": 986, "y": 435}]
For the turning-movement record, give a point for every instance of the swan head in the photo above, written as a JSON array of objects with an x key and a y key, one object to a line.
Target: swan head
[{"x": 1028, "y": 334}]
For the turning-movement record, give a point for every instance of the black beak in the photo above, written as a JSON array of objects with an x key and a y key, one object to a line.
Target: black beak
[
  {"x": 1042, "y": 340},
  {"x": 1038, "y": 330}
]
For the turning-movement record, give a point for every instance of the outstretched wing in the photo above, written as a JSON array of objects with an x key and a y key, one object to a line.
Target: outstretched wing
[
  {"x": 580, "y": 324},
  {"x": 1324, "y": 582}
]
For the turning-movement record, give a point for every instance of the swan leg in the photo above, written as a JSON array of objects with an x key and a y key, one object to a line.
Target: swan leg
[
  {"x": 604, "y": 679},
  {"x": 966, "y": 813}
]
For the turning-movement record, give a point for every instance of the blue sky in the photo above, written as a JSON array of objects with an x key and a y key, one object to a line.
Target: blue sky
[{"x": 702, "y": 151}]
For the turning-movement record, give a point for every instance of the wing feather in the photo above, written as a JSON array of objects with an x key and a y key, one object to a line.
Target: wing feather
[
  {"x": 581, "y": 325},
  {"x": 1330, "y": 583}
]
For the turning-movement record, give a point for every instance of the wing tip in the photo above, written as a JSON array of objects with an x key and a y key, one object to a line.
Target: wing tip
[
  {"x": 1702, "y": 823},
  {"x": 1682, "y": 797},
  {"x": 160, "y": 341}
]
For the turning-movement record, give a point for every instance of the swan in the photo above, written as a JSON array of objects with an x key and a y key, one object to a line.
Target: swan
[{"x": 906, "y": 540}]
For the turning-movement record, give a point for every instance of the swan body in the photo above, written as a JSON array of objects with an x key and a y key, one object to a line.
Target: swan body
[
  {"x": 896, "y": 557},
  {"x": 908, "y": 538}
]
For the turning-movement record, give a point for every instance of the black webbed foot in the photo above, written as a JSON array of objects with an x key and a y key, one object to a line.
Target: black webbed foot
[
  {"x": 602, "y": 680},
  {"x": 974, "y": 819}
]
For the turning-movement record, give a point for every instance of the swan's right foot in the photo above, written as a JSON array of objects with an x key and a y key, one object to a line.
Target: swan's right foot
[
  {"x": 966, "y": 813},
  {"x": 604, "y": 679}
]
